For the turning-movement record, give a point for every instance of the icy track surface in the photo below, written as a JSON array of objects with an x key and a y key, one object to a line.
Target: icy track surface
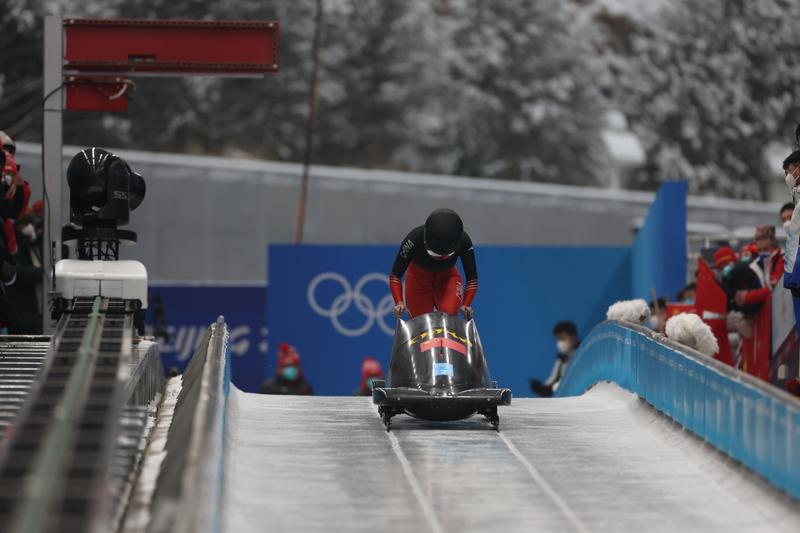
[{"x": 604, "y": 461}]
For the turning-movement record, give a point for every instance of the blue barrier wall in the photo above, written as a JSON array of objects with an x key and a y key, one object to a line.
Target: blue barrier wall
[
  {"x": 332, "y": 303},
  {"x": 659, "y": 251},
  {"x": 190, "y": 309},
  {"x": 749, "y": 420}
]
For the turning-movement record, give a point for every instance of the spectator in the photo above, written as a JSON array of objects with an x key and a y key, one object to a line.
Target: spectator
[
  {"x": 288, "y": 379},
  {"x": 14, "y": 195},
  {"x": 786, "y": 213},
  {"x": 791, "y": 275},
  {"x": 159, "y": 322},
  {"x": 658, "y": 315},
  {"x": 748, "y": 253},
  {"x": 770, "y": 255},
  {"x": 747, "y": 293},
  {"x": 567, "y": 343},
  {"x": 741, "y": 283},
  {"x": 688, "y": 294},
  {"x": 370, "y": 371},
  {"x": 25, "y": 295},
  {"x": 8, "y": 143}
]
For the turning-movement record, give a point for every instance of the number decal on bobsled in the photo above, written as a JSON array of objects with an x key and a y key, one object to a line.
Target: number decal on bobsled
[{"x": 443, "y": 369}]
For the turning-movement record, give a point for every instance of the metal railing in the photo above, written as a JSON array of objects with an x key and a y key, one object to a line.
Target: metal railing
[{"x": 744, "y": 417}]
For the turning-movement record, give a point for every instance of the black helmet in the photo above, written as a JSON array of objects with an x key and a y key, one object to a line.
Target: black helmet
[{"x": 443, "y": 231}]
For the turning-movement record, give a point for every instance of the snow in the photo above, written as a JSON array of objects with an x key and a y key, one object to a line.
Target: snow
[
  {"x": 624, "y": 147},
  {"x": 138, "y": 514}
]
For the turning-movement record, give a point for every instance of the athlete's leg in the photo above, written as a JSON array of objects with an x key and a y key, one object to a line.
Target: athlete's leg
[
  {"x": 448, "y": 291},
  {"x": 418, "y": 291}
]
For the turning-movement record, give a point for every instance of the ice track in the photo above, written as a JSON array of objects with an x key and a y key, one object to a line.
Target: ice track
[{"x": 604, "y": 461}]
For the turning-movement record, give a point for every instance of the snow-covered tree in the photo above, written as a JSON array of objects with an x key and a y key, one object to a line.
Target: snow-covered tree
[
  {"x": 710, "y": 88},
  {"x": 515, "y": 99}
]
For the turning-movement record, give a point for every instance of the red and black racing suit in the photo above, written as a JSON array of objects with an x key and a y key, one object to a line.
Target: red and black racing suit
[{"x": 432, "y": 282}]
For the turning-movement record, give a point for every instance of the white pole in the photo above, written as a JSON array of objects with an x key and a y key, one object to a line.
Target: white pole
[{"x": 52, "y": 165}]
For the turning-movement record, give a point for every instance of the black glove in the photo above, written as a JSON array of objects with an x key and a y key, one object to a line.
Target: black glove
[
  {"x": 545, "y": 391},
  {"x": 8, "y": 273}
]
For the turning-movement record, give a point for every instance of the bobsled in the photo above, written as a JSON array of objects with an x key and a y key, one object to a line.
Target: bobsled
[{"x": 437, "y": 371}]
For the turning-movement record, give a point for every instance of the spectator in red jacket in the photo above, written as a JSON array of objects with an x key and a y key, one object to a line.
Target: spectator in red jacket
[
  {"x": 370, "y": 371},
  {"x": 289, "y": 377}
]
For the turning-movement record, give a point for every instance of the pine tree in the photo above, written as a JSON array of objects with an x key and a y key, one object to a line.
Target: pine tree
[
  {"x": 21, "y": 69},
  {"x": 516, "y": 99},
  {"x": 715, "y": 84}
]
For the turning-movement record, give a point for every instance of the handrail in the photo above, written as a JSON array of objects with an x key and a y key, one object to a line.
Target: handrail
[
  {"x": 187, "y": 495},
  {"x": 744, "y": 417}
]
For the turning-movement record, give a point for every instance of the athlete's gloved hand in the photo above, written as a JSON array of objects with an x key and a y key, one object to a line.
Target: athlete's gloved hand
[
  {"x": 467, "y": 312},
  {"x": 399, "y": 309},
  {"x": 541, "y": 389}
]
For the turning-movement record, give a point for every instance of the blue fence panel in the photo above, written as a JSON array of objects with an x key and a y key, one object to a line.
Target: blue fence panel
[
  {"x": 750, "y": 420},
  {"x": 332, "y": 302},
  {"x": 189, "y": 309}
]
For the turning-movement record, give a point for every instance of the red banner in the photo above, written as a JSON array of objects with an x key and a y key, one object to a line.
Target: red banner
[{"x": 711, "y": 304}]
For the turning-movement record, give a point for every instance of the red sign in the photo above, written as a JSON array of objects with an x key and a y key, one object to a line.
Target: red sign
[
  {"x": 443, "y": 342},
  {"x": 97, "y": 94},
  {"x": 128, "y": 46},
  {"x": 677, "y": 309}
]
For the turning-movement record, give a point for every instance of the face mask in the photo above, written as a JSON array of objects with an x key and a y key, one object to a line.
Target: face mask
[
  {"x": 7, "y": 179},
  {"x": 787, "y": 224},
  {"x": 370, "y": 381},
  {"x": 290, "y": 372},
  {"x": 29, "y": 231},
  {"x": 563, "y": 346},
  {"x": 655, "y": 322},
  {"x": 688, "y": 301},
  {"x": 746, "y": 258},
  {"x": 791, "y": 181},
  {"x": 727, "y": 270}
]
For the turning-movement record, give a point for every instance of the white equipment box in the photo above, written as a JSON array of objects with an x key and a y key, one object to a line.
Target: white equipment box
[{"x": 111, "y": 279}]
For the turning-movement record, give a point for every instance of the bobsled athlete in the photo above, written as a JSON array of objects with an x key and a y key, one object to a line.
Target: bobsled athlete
[{"x": 428, "y": 257}]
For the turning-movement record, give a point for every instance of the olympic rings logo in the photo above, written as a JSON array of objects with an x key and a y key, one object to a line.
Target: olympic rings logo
[{"x": 352, "y": 295}]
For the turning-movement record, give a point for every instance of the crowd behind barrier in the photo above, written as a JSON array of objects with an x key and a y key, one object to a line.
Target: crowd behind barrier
[
  {"x": 744, "y": 417},
  {"x": 738, "y": 291},
  {"x": 21, "y": 230}
]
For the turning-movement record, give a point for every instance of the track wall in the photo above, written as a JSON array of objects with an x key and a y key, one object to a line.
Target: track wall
[{"x": 750, "y": 420}]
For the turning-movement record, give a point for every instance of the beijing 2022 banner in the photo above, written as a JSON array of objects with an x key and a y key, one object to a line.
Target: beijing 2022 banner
[
  {"x": 332, "y": 302},
  {"x": 179, "y": 314}
]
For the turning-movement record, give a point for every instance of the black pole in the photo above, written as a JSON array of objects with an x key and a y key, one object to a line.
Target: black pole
[{"x": 312, "y": 113}]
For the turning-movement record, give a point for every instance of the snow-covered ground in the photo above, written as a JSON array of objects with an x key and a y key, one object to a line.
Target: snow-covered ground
[{"x": 604, "y": 461}]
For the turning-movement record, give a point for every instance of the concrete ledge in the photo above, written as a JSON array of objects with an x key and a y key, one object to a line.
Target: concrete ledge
[{"x": 187, "y": 497}]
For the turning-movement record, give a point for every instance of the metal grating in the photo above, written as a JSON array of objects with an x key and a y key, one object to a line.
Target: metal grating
[
  {"x": 59, "y": 458},
  {"x": 21, "y": 360}
]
